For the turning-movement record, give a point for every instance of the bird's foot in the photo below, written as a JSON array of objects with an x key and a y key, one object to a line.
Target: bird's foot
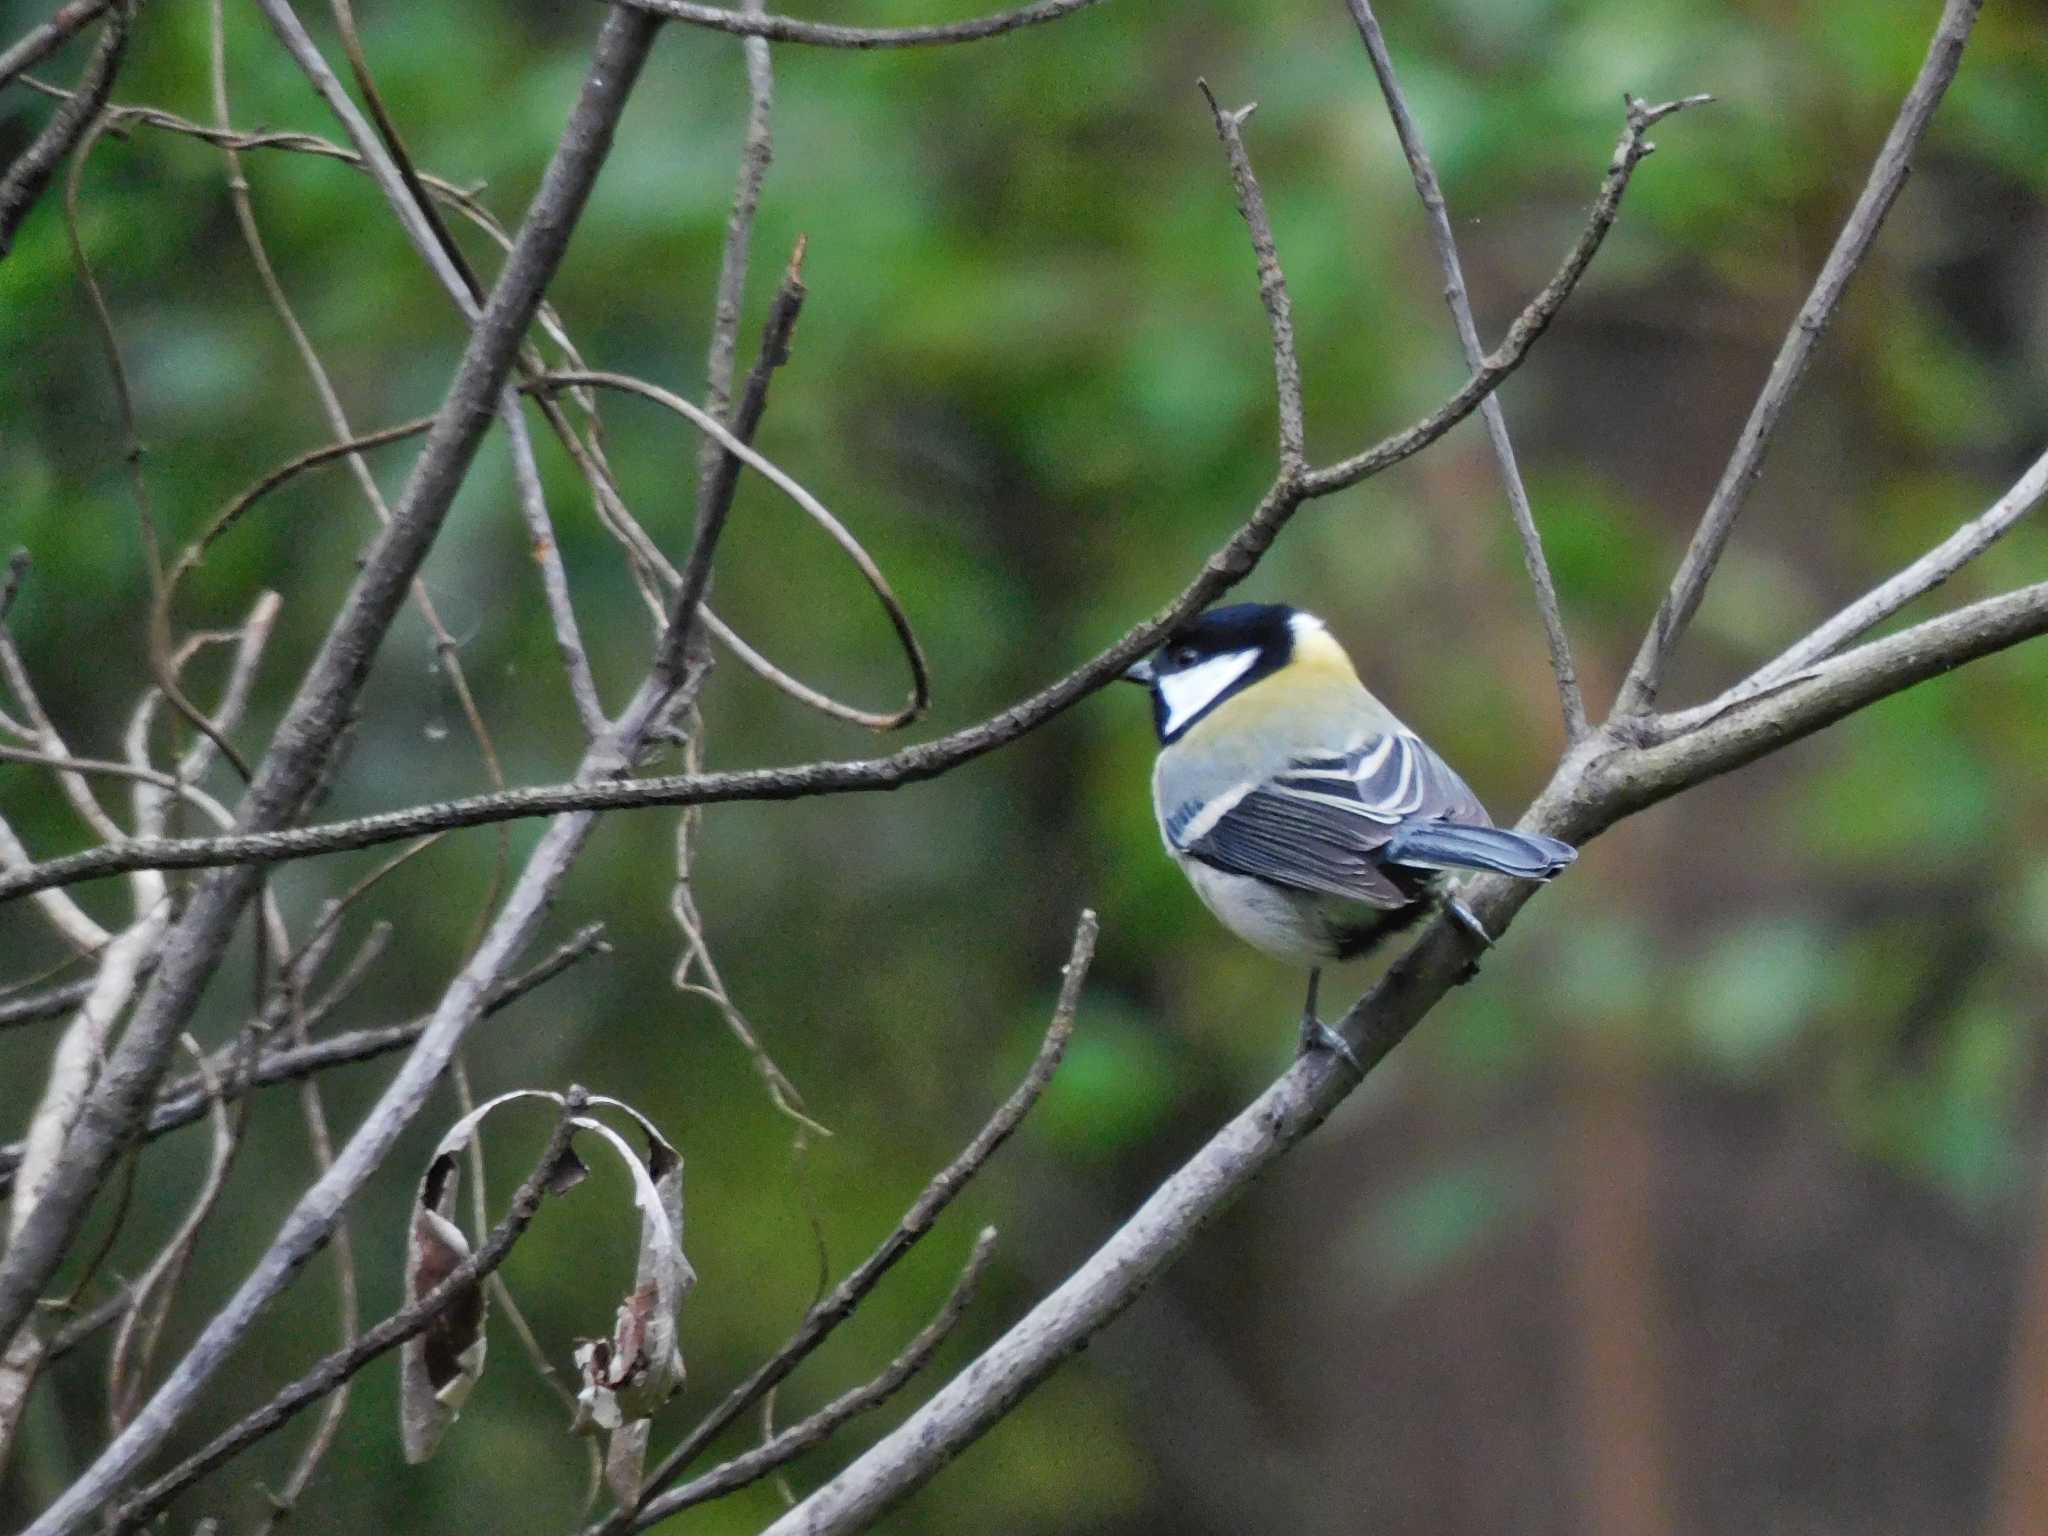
[
  {"x": 1318, "y": 1036},
  {"x": 1467, "y": 919}
]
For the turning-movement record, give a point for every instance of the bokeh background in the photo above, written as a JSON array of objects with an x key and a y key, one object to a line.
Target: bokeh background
[{"x": 1713, "y": 1207}]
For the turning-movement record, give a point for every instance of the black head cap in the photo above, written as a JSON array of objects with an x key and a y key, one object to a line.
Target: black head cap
[{"x": 1261, "y": 634}]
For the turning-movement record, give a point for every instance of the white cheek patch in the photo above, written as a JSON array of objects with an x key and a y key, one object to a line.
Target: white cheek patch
[{"x": 1190, "y": 692}]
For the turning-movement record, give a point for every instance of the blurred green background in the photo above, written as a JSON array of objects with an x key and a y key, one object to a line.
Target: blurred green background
[{"x": 1712, "y": 1207}]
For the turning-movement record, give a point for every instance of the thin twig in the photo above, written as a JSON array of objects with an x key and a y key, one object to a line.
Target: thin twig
[
  {"x": 150, "y": 1296},
  {"x": 1437, "y": 215},
  {"x": 1878, "y": 604},
  {"x": 1633, "y": 147},
  {"x": 184, "y": 1101},
  {"x": 1251, "y": 202},
  {"x": 302, "y": 745},
  {"x": 834, "y": 1309},
  {"x": 810, "y": 1433},
  {"x": 348, "y": 1304},
  {"x": 386, "y": 1336},
  {"x": 29, "y": 177},
  {"x": 1887, "y": 177},
  {"x": 787, "y": 29},
  {"x": 84, "y": 1326},
  {"x": 720, "y": 479},
  {"x": 36, "y": 1006},
  {"x": 757, "y": 152},
  {"x": 871, "y": 573},
  {"x": 696, "y": 958},
  {"x": 40, "y": 41},
  {"x": 1223, "y": 570}
]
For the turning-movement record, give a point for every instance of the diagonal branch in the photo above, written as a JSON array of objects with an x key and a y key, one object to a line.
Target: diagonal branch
[
  {"x": 1880, "y": 603},
  {"x": 810, "y": 1433},
  {"x": 1632, "y": 149},
  {"x": 29, "y": 177},
  {"x": 1251, "y": 202},
  {"x": 185, "y": 1100},
  {"x": 1599, "y": 781},
  {"x": 338, "y": 1367},
  {"x": 289, "y": 773},
  {"x": 1438, "y": 217},
  {"x": 40, "y": 41},
  {"x": 1944, "y": 56},
  {"x": 832, "y": 1310}
]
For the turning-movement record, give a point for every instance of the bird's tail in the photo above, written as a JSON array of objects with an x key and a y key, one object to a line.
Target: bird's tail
[{"x": 1450, "y": 845}]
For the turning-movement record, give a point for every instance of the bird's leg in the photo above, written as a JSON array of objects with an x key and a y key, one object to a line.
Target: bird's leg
[
  {"x": 1468, "y": 920},
  {"x": 1318, "y": 1036}
]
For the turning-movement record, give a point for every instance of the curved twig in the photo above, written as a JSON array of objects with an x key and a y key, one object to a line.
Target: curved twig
[
  {"x": 787, "y": 29},
  {"x": 899, "y": 621}
]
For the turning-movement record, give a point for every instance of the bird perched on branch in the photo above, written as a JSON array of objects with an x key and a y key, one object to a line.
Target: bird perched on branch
[{"x": 1309, "y": 820}]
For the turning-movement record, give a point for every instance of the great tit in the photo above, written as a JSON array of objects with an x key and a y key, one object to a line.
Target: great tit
[{"x": 1310, "y": 821}]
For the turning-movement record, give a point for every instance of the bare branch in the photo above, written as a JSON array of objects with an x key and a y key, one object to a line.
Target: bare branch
[
  {"x": 1819, "y": 696},
  {"x": 1439, "y": 220},
  {"x": 810, "y": 1433},
  {"x": 554, "y": 580},
  {"x": 1880, "y": 603},
  {"x": 1530, "y": 324},
  {"x": 47, "y": 1004},
  {"x": 338, "y": 1367},
  {"x": 722, "y": 476},
  {"x": 1887, "y": 177},
  {"x": 151, "y": 1294},
  {"x": 1223, "y": 570},
  {"x": 1599, "y": 781},
  {"x": 757, "y": 152},
  {"x": 184, "y": 1101},
  {"x": 291, "y": 770},
  {"x": 1251, "y": 202},
  {"x": 787, "y": 29},
  {"x": 913, "y": 653},
  {"x": 834, "y": 1309},
  {"x": 40, "y": 41},
  {"x": 29, "y": 177}
]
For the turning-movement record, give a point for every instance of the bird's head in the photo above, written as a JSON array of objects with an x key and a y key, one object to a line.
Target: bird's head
[{"x": 1220, "y": 653}]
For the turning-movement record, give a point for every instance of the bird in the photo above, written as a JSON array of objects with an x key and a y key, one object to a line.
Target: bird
[{"x": 1308, "y": 818}]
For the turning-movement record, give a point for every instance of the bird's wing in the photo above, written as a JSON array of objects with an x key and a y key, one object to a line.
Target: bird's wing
[
  {"x": 1384, "y": 781},
  {"x": 1323, "y": 824}
]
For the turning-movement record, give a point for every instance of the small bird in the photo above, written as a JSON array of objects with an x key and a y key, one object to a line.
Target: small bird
[{"x": 1309, "y": 819}]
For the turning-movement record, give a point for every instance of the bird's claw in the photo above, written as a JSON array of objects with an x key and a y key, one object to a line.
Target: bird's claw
[
  {"x": 1467, "y": 919},
  {"x": 1318, "y": 1036}
]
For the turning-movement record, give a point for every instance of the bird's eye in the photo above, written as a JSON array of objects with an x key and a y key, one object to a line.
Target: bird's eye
[{"x": 1182, "y": 655}]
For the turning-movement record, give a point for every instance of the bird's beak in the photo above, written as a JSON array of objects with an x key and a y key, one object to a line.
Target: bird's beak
[{"x": 1141, "y": 672}]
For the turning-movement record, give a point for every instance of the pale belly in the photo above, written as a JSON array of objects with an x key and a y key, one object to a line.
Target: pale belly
[{"x": 1295, "y": 925}]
